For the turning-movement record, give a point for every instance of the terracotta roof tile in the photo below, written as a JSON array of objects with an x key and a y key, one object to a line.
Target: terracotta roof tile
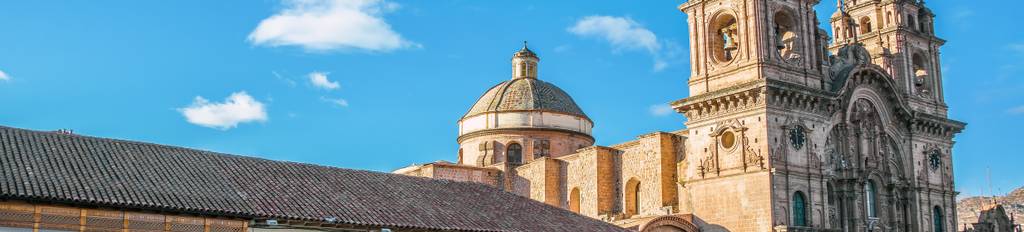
[{"x": 90, "y": 171}]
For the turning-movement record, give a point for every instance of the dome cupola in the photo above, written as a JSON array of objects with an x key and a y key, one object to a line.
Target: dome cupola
[{"x": 524, "y": 63}]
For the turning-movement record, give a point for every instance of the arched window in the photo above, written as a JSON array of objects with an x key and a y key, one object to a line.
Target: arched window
[
  {"x": 533, "y": 70},
  {"x": 865, "y": 25},
  {"x": 574, "y": 200},
  {"x": 786, "y": 39},
  {"x": 725, "y": 43},
  {"x": 833, "y": 208},
  {"x": 888, "y": 18},
  {"x": 910, "y": 21},
  {"x": 522, "y": 69},
  {"x": 632, "y": 197},
  {"x": 938, "y": 219},
  {"x": 799, "y": 209},
  {"x": 870, "y": 194},
  {"x": 514, "y": 153},
  {"x": 922, "y": 18},
  {"x": 920, "y": 66}
]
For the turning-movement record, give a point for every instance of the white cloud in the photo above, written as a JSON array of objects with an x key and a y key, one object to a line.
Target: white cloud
[
  {"x": 4, "y": 76},
  {"x": 331, "y": 25},
  {"x": 623, "y": 33},
  {"x": 237, "y": 108},
  {"x": 319, "y": 79},
  {"x": 336, "y": 101},
  {"x": 661, "y": 110}
]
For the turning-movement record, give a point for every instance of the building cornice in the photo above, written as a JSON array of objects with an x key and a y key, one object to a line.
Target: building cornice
[{"x": 514, "y": 130}]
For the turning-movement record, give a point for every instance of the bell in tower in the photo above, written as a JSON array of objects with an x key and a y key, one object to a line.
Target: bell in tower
[
  {"x": 899, "y": 36},
  {"x": 739, "y": 41}
]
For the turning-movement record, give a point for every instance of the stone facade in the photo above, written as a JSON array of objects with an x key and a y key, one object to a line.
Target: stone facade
[{"x": 786, "y": 130}]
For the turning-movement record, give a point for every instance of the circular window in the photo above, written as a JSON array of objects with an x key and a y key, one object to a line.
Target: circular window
[
  {"x": 725, "y": 38},
  {"x": 728, "y": 140}
]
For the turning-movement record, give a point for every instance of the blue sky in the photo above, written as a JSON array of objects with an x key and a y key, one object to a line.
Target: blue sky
[{"x": 380, "y": 84}]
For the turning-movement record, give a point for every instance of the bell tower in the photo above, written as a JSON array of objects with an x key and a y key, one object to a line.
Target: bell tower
[
  {"x": 900, "y": 37},
  {"x": 739, "y": 41},
  {"x": 759, "y": 81}
]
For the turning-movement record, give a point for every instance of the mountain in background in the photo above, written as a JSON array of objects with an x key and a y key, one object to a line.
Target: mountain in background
[{"x": 967, "y": 209}]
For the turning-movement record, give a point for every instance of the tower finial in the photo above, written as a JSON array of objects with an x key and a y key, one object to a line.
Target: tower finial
[{"x": 524, "y": 63}]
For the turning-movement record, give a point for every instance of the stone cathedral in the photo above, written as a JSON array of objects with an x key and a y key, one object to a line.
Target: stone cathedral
[{"x": 789, "y": 129}]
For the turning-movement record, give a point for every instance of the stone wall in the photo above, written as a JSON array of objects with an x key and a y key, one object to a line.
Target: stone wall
[
  {"x": 650, "y": 160},
  {"x": 725, "y": 182},
  {"x": 539, "y": 180},
  {"x": 447, "y": 171},
  {"x": 592, "y": 170}
]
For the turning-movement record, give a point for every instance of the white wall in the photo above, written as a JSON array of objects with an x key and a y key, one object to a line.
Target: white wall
[{"x": 534, "y": 119}]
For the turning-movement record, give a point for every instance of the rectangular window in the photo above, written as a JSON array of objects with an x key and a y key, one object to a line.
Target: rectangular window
[{"x": 541, "y": 148}]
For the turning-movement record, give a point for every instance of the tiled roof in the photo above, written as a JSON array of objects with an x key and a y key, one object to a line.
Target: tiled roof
[
  {"x": 523, "y": 94},
  {"x": 99, "y": 172}
]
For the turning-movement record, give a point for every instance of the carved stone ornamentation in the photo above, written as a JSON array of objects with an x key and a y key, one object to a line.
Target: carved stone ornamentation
[
  {"x": 708, "y": 166},
  {"x": 754, "y": 158}
]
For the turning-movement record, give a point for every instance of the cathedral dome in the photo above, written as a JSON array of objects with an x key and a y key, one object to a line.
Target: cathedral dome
[
  {"x": 525, "y": 103},
  {"x": 525, "y": 94}
]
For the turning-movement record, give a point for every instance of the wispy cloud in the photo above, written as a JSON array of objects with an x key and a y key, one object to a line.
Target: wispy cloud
[
  {"x": 4, "y": 76},
  {"x": 335, "y": 101},
  {"x": 331, "y": 25},
  {"x": 961, "y": 13},
  {"x": 1014, "y": 66},
  {"x": 1019, "y": 110},
  {"x": 661, "y": 110},
  {"x": 625, "y": 34},
  {"x": 319, "y": 79},
  {"x": 286, "y": 80},
  {"x": 1016, "y": 47},
  {"x": 563, "y": 48},
  {"x": 237, "y": 108}
]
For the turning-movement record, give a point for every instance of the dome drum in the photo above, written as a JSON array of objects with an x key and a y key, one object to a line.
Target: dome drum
[
  {"x": 486, "y": 148},
  {"x": 525, "y": 119}
]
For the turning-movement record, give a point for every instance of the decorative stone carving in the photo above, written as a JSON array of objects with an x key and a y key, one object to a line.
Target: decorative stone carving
[
  {"x": 708, "y": 165},
  {"x": 728, "y": 101},
  {"x": 848, "y": 59},
  {"x": 752, "y": 157}
]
